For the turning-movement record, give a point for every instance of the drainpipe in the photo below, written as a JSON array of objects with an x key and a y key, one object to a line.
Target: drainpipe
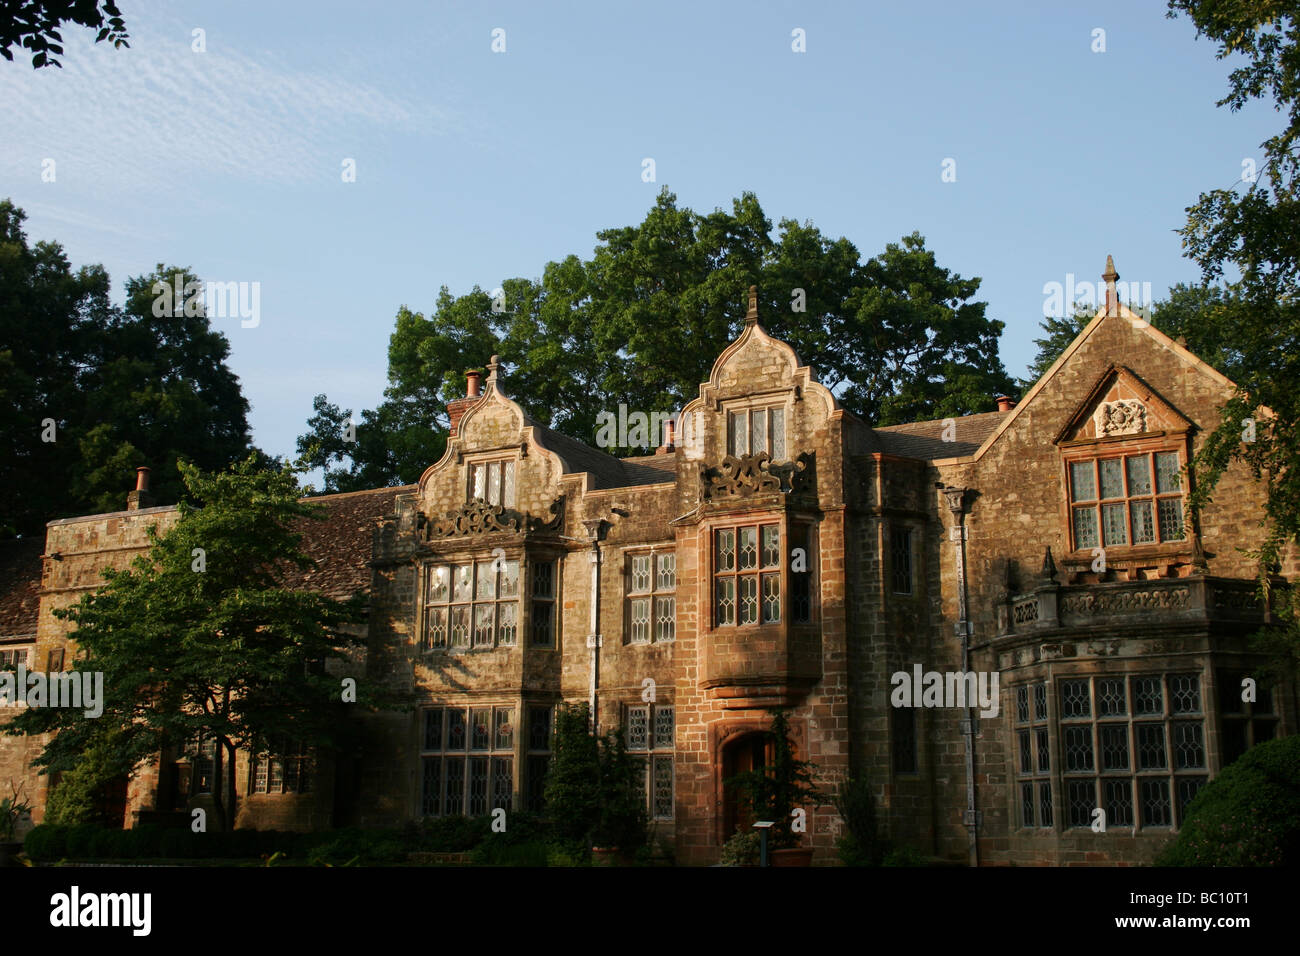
[
  {"x": 596, "y": 529},
  {"x": 957, "y": 505}
]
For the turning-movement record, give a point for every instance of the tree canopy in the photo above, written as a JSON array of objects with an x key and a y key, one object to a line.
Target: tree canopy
[
  {"x": 203, "y": 636},
  {"x": 1251, "y": 229},
  {"x": 34, "y": 25},
  {"x": 90, "y": 391},
  {"x": 640, "y": 323}
]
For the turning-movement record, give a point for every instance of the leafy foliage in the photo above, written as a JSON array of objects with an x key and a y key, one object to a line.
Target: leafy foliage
[
  {"x": 776, "y": 791},
  {"x": 223, "y": 650},
  {"x": 34, "y": 25},
  {"x": 88, "y": 391},
  {"x": 856, "y": 805},
  {"x": 1252, "y": 230},
  {"x": 1249, "y": 815},
  {"x": 640, "y": 323},
  {"x": 591, "y": 792}
]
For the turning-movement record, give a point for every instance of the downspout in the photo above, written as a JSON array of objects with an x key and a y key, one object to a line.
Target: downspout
[
  {"x": 595, "y": 532},
  {"x": 957, "y": 505}
]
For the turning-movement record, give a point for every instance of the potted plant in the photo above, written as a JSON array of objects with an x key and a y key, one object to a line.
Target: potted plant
[
  {"x": 12, "y": 812},
  {"x": 592, "y": 796},
  {"x": 777, "y": 791}
]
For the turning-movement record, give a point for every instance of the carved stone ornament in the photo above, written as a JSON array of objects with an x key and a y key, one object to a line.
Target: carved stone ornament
[
  {"x": 1127, "y": 416},
  {"x": 754, "y": 475},
  {"x": 478, "y": 517}
]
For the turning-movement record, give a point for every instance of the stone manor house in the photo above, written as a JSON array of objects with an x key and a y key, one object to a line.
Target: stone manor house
[{"x": 775, "y": 551}]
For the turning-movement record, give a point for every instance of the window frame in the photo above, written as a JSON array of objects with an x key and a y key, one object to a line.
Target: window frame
[
  {"x": 897, "y": 530},
  {"x": 656, "y": 753},
  {"x": 655, "y": 595},
  {"x": 284, "y": 755},
  {"x": 491, "y": 464},
  {"x": 1141, "y": 770},
  {"x": 428, "y": 606},
  {"x": 760, "y": 572},
  {"x": 1123, "y": 448},
  {"x": 747, "y": 412},
  {"x": 493, "y": 757}
]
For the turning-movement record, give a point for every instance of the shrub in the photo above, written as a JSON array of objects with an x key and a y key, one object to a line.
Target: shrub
[
  {"x": 80, "y": 841},
  {"x": 573, "y": 791},
  {"x": 742, "y": 849},
  {"x": 903, "y": 856},
  {"x": 522, "y": 853},
  {"x": 47, "y": 843},
  {"x": 177, "y": 844},
  {"x": 856, "y": 804},
  {"x": 447, "y": 834},
  {"x": 1249, "y": 815}
]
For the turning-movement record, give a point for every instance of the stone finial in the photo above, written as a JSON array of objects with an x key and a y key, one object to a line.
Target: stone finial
[
  {"x": 751, "y": 316},
  {"x": 493, "y": 364},
  {"x": 1112, "y": 297},
  {"x": 1048, "y": 572}
]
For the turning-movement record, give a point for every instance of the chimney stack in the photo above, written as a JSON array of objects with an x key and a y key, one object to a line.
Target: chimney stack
[
  {"x": 670, "y": 439},
  {"x": 1005, "y": 403},
  {"x": 140, "y": 498},
  {"x": 457, "y": 408}
]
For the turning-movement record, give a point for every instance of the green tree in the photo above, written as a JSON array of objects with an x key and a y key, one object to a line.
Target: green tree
[
  {"x": 572, "y": 789},
  {"x": 1200, "y": 316},
  {"x": 786, "y": 785},
  {"x": 1059, "y": 332},
  {"x": 34, "y": 25},
  {"x": 641, "y": 322},
  {"x": 1251, "y": 229},
  {"x": 201, "y": 637},
  {"x": 89, "y": 391}
]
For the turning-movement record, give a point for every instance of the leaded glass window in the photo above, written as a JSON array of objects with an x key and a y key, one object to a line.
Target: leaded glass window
[
  {"x": 453, "y": 784},
  {"x": 650, "y": 729},
  {"x": 755, "y": 430},
  {"x": 1033, "y": 740},
  {"x": 651, "y": 606},
  {"x": 1114, "y": 502},
  {"x": 492, "y": 482},
  {"x": 1144, "y": 763},
  {"x": 471, "y": 605},
  {"x": 747, "y": 575},
  {"x": 543, "y": 589}
]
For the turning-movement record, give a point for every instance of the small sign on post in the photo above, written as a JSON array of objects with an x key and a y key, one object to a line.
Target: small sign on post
[{"x": 763, "y": 827}]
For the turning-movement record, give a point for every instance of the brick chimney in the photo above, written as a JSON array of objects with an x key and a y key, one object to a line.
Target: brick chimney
[
  {"x": 140, "y": 498},
  {"x": 457, "y": 408},
  {"x": 1005, "y": 403},
  {"x": 670, "y": 439}
]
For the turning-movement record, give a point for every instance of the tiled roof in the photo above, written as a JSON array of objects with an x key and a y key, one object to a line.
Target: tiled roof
[
  {"x": 608, "y": 471},
  {"x": 20, "y": 586},
  {"x": 925, "y": 440},
  {"x": 649, "y": 469},
  {"x": 341, "y": 543}
]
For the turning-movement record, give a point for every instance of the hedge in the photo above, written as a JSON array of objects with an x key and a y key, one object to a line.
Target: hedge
[{"x": 1249, "y": 815}]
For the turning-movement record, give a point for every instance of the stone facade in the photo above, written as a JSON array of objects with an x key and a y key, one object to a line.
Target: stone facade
[{"x": 777, "y": 552}]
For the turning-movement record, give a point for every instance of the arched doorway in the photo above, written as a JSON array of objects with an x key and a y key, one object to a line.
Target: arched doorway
[{"x": 751, "y": 751}]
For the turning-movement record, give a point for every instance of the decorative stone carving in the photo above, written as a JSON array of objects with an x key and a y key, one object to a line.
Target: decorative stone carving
[
  {"x": 478, "y": 517},
  {"x": 754, "y": 475},
  {"x": 1126, "y": 416},
  {"x": 1163, "y": 599}
]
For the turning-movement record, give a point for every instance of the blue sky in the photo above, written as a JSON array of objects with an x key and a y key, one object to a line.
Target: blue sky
[{"x": 474, "y": 166}]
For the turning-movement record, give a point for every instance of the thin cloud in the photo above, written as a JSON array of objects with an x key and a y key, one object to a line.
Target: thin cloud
[{"x": 162, "y": 118}]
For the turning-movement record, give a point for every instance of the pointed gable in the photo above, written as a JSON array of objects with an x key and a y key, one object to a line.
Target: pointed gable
[{"x": 1121, "y": 405}]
